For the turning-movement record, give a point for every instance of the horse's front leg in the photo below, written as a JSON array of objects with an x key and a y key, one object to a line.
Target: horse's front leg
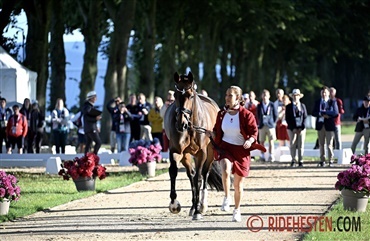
[
  {"x": 190, "y": 173},
  {"x": 174, "y": 206},
  {"x": 197, "y": 180}
]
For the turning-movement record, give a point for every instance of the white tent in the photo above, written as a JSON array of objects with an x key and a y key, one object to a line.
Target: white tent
[{"x": 16, "y": 81}]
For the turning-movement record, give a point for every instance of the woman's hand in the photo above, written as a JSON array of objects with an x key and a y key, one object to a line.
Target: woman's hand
[{"x": 248, "y": 143}]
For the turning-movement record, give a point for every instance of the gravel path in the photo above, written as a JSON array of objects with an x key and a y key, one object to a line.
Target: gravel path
[{"x": 140, "y": 211}]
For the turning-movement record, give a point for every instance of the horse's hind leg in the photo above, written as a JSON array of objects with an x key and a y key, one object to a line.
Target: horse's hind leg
[{"x": 205, "y": 173}]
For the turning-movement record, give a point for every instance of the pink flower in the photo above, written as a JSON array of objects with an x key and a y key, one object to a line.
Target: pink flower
[
  {"x": 8, "y": 187},
  {"x": 142, "y": 152},
  {"x": 357, "y": 177}
]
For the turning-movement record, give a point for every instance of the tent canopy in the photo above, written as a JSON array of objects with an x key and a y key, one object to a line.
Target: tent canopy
[{"x": 16, "y": 81}]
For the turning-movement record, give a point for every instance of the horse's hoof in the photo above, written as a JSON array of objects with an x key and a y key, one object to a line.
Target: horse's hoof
[
  {"x": 203, "y": 208},
  {"x": 197, "y": 216},
  {"x": 191, "y": 212},
  {"x": 175, "y": 207}
]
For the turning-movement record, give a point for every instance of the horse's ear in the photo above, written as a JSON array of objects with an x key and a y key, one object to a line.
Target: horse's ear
[
  {"x": 176, "y": 77},
  {"x": 190, "y": 76}
]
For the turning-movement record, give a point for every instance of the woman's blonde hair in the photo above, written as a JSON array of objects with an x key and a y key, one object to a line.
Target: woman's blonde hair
[{"x": 239, "y": 94}]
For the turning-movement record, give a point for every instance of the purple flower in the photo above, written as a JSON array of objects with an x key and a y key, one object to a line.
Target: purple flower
[
  {"x": 8, "y": 187},
  {"x": 357, "y": 177},
  {"x": 142, "y": 152}
]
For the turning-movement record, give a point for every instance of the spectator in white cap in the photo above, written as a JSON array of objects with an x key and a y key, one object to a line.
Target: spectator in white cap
[
  {"x": 295, "y": 116},
  {"x": 91, "y": 116}
]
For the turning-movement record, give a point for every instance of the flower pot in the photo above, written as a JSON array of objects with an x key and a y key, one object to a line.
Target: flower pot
[
  {"x": 4, "y": 207},
  {"x": 353, "y": 201},
  {"x": 151, "y": 168},
  {"x": 147, "y": 169},
  {"x": 85, "y": 184}
]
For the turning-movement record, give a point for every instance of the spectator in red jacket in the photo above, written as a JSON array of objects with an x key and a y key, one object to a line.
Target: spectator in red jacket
[
  {"x": 337, "y": 134},
  {"x": 16, "y": 130}
]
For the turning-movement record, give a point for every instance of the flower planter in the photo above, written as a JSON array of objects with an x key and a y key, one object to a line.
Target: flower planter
[
  {"x": 147, "y": 169},
  {"x": 4, "y": 207},
  {"x": 85, "y": 184},
  {"x": 354, "y": 201}
]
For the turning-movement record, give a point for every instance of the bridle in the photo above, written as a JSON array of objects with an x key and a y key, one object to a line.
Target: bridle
[{"x": 186, "y": 112}]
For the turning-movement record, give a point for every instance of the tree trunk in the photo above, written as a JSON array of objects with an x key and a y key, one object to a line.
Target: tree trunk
[
  {"x": 57, "y": 55},
  {"x": 115, "y": 78},
  {"x": 92, "y": 32},
  {"x": 38, "y": 16},
  {"x": 147, "y": 62}
]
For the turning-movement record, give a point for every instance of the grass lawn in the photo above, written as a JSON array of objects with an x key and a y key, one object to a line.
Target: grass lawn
[
  {"x": 42, "y": 191},
  {"x": 346, "y": 129},
  {"x": 346, "y": 225}
]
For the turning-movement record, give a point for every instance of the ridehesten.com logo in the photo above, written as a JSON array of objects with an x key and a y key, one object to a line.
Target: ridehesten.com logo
[{"x": 293, "y": 223}]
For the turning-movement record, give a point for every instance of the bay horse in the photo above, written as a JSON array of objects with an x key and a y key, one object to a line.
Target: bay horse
[{"x": 185, "y": 122}]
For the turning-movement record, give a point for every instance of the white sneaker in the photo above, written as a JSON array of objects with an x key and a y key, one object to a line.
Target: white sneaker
[
  {"x": 237, "y": 217},
  {"x": 225, "y": 205}
]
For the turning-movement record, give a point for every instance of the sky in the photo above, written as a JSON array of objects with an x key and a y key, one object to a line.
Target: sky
[{"x": 76, "y": 36}]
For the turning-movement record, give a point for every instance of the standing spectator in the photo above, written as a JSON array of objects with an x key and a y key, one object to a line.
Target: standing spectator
[
  {"x": 252, "y": 104},
  {"x": 36, "y": 129},
  {"x": 169, "y": 101},
  {"x": 266, "y": 116},
  {"x": 16, "y": 130},
  {"x": 279, "y": 99},
  {"x": 337, "y": 134},
  {"x": 325, "y": 110},
  {"x": 246, "y": 100},
  {"x": 123, "y": 129},
  {"x": 59, "y": 119},
  {"x": 78, "y": 121},
  {"x": 281, "y": 124},
  {"x": 5, "y": 114},
  {"x": 91, "y": 116},
  {"x": 235, "y": 130},
  {"x": 156, "y": 120},
  {"x": 144, "y": 108},
  {"x": 26, "y": 111},
  {"x": 112, "y": 107},
  {"x": 133, "y": 108},
  {"x": 295, "y": 115},
  {"x": 362, "y": 117}
]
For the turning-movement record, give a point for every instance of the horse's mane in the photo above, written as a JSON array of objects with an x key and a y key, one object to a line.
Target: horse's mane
[{"x": 204, "y": 105}]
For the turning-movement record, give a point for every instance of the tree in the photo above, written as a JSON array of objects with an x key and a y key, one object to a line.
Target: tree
[
  {"x": 122, "y": 14},
  {"x": 93, "y": 28},
  {"x": 38, "y": 16},
  {"x": 57, "y": 54}
]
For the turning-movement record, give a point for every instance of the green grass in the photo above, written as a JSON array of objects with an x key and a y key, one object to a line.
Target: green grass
[
  {"x": 42, "y": 191},
  {"x": 346, "y": 129},
  {"x": 337, "y": 215}
]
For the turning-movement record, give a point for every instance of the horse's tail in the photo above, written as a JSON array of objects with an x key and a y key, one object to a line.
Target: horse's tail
[{"x": 215, "y": 177}]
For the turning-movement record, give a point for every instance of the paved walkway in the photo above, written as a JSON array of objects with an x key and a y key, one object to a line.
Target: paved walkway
[{"x": 140, "y": 211}]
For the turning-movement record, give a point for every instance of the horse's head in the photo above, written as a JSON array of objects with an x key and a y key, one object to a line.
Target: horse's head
[{"x": 184, "y": 94}]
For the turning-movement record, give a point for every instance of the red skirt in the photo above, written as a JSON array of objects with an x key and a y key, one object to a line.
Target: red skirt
[
  {"x": 281, "y": 131},
  {"x": 240, "y": 157}
]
